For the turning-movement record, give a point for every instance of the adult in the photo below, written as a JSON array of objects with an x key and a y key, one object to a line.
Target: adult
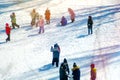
[
  {"x": 56, "y": 53},
  {"x": 90, "y": 25},
  {"x": 62, "y": 72},
  {"x": 76, "y": 72}
]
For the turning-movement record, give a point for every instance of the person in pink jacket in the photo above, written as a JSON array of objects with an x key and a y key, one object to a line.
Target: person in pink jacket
[
  {"x": 72, "y": 14},
  {"x": 40, "y": 23}
]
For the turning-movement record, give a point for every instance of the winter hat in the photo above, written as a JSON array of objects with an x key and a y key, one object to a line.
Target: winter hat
[
  {"x": 56, "y": 45},
  {"x": 7, "y": 24},
  {"x": 65, "y": 60},
  {"x": 74, "y": 65},
  {"x": 92, "y": 65}
]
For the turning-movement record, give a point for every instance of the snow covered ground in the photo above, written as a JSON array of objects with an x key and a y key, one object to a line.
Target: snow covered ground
[{"x": 27, "y": 56}]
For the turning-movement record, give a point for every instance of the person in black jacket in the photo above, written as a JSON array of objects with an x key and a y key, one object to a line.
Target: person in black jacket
[
  {"x": 62, "y": 72},
  {"x": 90, "y": 25},
  {"x": 65, "y": 63},
  {"x": 76, "y": 72}
]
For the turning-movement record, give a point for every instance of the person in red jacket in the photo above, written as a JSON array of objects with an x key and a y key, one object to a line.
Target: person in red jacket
[
  {"x": 8, "y": 30},
  {"x": 93, "y": 72}
]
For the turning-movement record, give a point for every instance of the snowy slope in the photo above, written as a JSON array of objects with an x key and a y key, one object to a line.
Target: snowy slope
[{"x": 28, "y": 56}]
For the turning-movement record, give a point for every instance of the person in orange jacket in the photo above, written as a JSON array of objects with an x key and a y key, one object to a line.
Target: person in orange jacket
[
  {"x": 8, "y": 30},
  {"x": 47, "y": 16},
  {"x": 93, "y": 72}
]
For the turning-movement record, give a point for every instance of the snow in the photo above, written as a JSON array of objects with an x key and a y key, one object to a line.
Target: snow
[{"x": 27, "y": 56}]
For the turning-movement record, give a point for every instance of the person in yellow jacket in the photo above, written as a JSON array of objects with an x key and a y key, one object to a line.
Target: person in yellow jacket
[
  {"x": 33, "y": 15},
  {"x": 93, "y": 72},
  {"x": 13, "y": 20},
  {"x": 76, "y": 72}
]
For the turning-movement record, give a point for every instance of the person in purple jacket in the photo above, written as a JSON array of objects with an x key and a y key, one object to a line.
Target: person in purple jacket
[{"x": 63, "y": 21}]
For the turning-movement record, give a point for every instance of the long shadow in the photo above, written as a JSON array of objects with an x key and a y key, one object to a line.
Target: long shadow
[
  {"x": 45, "y": 67},
  {"x": 103, "y": 15},
  {"x": 83, "y": 36},
  {"x": 2, "y": 42},
  {"x": 85, "y": 61},
  {"x": 54, "y": 78}
]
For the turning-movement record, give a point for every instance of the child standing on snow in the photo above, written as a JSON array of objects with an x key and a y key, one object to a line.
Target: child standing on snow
[
  {"x": 8, "y": 30},
  {"x": 47, "y": 16},
  {"x": 40, "y": 23},
  {"x": 72, "y": 14},
  {"x": 13, "y": 20},
  {"x": 93, "y": 72}
]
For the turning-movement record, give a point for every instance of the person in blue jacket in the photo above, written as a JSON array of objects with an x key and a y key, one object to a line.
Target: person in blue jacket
[
  {"x": 56, "y": 53},
  {"x": 63, "y": 21}
]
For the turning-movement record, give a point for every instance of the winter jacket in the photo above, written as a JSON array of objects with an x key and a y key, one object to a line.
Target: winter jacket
[
  {"x": 47, "y": 14},
  {"x": 13, "y": 18},
  {"x": 76, "y": 73},
  {"x": 63, "y": 21},
  {"x": 41, "y": 23},
  {"x": 56, "y": 52},
  {"x": 93, "y": 73},
  {"x": 90, "y": 23},
  {"x": 71, "y": 12},
  {"x": 62, "y": 72},
  {"x": 33, "y": 15},
  {"x": 7, "y": 29},
  {"x": 66, "y": 67}
]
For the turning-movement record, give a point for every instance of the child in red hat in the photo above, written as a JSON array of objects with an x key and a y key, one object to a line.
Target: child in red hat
[
  {"x": 93, "y": 72},
  {"x": 8, "y": 30}
]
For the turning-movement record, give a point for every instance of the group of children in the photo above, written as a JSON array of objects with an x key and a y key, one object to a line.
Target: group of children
[
  {"x": 38, "y": 20},
  {"x": 64, "y": 72}
]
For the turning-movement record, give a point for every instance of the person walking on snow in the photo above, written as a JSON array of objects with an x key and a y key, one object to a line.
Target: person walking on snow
[
  {"x": 47, "y": 16},
  {"x": 8, "y": 30},
  {"x": 56, "y": 53},
  {"x": 40, "y": 23},
  {"x": 75, "y": 72},
  {"x": 90, "y": 25},
  {"x": 72, "y": 14},
  {"x": 13, "y": 20},
  {"x": 93, "y": 72},
  {"x": 63, "y": 21},
  {"x": 33, "y": 15},
  {"x": 62, "y": 72}
]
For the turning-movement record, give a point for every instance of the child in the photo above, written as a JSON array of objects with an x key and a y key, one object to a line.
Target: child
[
  {"x": 8, "y": 30},
  {"x": 40, "y": 23}
]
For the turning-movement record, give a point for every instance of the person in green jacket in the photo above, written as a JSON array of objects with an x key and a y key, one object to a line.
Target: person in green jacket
[{"x": 13, "y": 20}]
